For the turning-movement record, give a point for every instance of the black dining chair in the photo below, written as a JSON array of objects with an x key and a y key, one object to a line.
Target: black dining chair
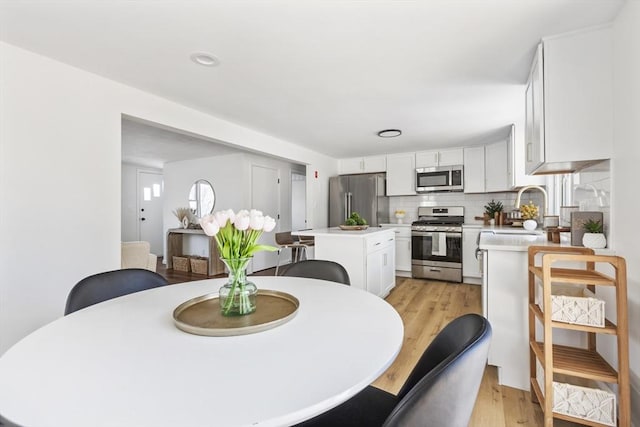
[
  {"x": 440, "y": 392},
  {"x": 6, "y": 423},
  {"x": 318, "y": 269},
  {"x": 111, "y": 284}
]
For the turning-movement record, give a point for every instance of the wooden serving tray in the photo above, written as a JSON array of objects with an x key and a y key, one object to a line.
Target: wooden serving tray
[
  {"x": 353, "y": 227},
  {"x": 202, "y": 316}
]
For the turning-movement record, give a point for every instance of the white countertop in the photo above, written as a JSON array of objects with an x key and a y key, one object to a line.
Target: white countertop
[
  {"x": 515, "y": 241},
  {"x": 520, "y": 242},
  {"x": 336, "y": 231},
  {"x": 395, "y": 224},
  {"x": 505, "y": 229}
]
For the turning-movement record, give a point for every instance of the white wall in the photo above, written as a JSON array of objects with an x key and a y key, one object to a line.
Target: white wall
[
  {"x": 624, "y": 165},
  {"x": 60, "y": 174}
]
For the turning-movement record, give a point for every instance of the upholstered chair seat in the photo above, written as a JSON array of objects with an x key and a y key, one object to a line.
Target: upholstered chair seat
[{"x": 138, "y": 255}]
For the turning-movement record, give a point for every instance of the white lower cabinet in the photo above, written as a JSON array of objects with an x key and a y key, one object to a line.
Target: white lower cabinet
[
  {"x": 403, "y": 248},
  {"x": 369, "y": 258},
  {"x": 381, "y": 264},
  {"x": 470, "y": 264}
]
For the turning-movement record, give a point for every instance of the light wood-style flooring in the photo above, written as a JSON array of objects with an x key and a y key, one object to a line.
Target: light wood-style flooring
[{"x": 426, "y": 307}]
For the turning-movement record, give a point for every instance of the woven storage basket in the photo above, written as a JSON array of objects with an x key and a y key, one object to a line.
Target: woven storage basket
[
  {"x": 576, "y": 305},
  {"x": 587, "y": 403},
  {"x": 199, "y": 265},
  {"x": 181, "y": 263}
]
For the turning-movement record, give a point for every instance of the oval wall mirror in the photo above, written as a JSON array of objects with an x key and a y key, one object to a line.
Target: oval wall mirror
[{"x": 202, "y": 198}]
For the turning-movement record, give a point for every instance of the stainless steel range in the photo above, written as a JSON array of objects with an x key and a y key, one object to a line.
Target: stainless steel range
[{"x": 436, "y": 243}]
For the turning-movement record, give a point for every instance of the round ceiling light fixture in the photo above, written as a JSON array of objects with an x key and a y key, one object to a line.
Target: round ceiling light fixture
[
  {"x": 205, "y": 59},
  {"x": 389, "y": 133}
]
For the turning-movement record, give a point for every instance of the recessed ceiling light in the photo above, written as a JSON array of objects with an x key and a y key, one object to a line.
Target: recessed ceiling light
[
  {"x": 204, "y": 58},
  {"x": 389, "y": 133}
]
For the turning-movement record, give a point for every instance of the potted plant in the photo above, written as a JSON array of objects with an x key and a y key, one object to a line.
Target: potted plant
[
  {"x": 528, "y": 213},
  {"x": 594, "y": 235},
  {"x": 491, "y": 209}
]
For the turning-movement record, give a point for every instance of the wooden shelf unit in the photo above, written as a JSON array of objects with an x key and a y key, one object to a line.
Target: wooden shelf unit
[{"x": 585, "y": 363}]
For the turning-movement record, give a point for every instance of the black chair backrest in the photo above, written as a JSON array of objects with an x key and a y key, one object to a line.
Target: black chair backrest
[
  {"x": 442, "y": 388},
  {"x": 111, "y": 284},
  {"x": 319, "y": 269},
  {"x": 6, "y": 423}
]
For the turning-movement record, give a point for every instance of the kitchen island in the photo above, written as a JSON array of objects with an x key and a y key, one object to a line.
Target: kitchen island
[
  {"x": 367, "y": 255},
  {"x": 505, "y": 300}
]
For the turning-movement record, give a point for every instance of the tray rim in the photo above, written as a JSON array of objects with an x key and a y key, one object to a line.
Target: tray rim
[
  {"x": 243, "y": 330},
  {"x": 353, "y": 227}
]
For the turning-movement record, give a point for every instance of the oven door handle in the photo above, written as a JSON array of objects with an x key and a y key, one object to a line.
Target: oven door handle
[{"x": 456, "y": 235}]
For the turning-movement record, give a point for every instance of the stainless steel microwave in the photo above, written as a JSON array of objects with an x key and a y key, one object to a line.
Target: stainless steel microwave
[{"x": 439, "y": 178}]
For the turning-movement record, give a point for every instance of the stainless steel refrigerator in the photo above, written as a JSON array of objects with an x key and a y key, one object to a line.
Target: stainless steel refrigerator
[{"x": 365, "y": 194}]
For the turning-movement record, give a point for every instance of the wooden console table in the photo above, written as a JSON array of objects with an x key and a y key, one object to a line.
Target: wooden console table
[{"x": 174, "y": 247}]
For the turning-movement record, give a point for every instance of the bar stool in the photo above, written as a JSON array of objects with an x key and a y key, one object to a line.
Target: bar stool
[
  {"x": 307, "y": 242},
  {"x": 285, "y": 240}
]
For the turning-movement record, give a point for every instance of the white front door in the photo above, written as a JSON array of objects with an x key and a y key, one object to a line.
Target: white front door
[
  {"x": 265, "y": 196},
  {"x": 150, "y": 200}
]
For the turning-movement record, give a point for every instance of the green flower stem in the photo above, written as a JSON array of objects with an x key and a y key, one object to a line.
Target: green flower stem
[{"x": 237, "y": 269}]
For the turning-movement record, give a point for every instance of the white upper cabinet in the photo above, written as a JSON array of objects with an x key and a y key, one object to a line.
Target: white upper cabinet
[
  {"x": 497, "y": 169},
  {"x": 474, "y": 170},
  {"x": 516, "y": 160},
  {"x": 534, "y": 116},
  {"x": 401, "y": 174},
  {"x": 368, "y": 164},
  {"x": 487, "y": 168},
  {"x": 569, "y": 102},
  {"x": 448, "y": 157}
]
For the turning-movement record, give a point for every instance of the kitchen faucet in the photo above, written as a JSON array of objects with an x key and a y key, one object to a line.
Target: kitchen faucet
[{"x": 534, "y": 187}]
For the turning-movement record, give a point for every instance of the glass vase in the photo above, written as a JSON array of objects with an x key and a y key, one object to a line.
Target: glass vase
[{"x": 238, "y": 295}]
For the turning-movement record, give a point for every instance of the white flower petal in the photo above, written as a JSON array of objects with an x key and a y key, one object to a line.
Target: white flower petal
[
  {"x": 269, "y": 224},
  {"x": 209, "y": 225},
  {"x": 242, "y": 222}
]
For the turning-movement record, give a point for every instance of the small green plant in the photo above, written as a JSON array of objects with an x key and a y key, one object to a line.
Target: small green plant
[
  {"x": 592, "y": 226},
  {"x": 355, "y": 219},
  {"x": 492, "y": 207}
]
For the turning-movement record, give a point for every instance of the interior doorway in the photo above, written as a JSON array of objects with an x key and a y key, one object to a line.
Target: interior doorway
[
  {"x": 298, "y": 201},
  {"x": 150, "y": 192}
]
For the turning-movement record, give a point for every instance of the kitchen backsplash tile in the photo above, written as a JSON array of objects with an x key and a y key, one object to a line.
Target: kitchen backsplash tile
[{"x": 473, "y": 203}]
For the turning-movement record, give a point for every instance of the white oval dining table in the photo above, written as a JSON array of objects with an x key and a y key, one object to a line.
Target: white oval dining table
[{"x": 124, "y": 363}]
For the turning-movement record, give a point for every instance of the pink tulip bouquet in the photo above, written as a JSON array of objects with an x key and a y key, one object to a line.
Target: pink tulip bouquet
[{"x": 236, "y": 235}]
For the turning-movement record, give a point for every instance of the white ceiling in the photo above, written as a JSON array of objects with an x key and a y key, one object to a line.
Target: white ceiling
[
  {"x": 323, "y": 74},
  {"x": 148, "y": 145}
]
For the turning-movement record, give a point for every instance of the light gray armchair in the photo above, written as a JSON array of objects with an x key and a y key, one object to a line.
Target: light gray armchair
[{"x": 138, "y": 255}]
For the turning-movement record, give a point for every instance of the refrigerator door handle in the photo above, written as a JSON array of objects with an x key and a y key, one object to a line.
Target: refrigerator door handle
[
  {"x": 346, "y": 206},
  {"x": 349, "y": 204}
]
